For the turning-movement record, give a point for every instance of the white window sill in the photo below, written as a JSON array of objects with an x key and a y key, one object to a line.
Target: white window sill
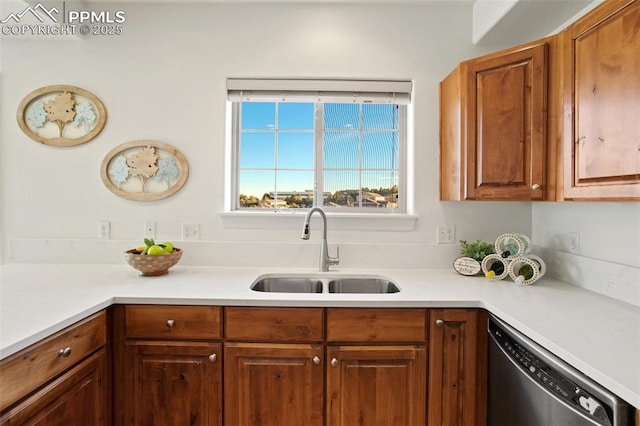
[{"x": 336, "y": 221}]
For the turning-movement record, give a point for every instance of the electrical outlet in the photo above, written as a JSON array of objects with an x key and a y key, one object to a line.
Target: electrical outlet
[
  {"x": 190, "y": 231},
  {"x": 574, "y": 242},
  {"x": 150, "y": 229},
  {"x": 104, "y": 230},
  {"x": 446, "y": 234}
]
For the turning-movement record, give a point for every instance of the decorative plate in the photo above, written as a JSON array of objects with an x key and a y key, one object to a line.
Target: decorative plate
[
  {"x": 144, "y": 170},
  {"x": 61, "y": 115},
  {"x": 467, "y": 266}
]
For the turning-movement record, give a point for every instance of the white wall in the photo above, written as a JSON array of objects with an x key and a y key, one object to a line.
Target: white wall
[
  {"x": 608, "y": 256},
  {"x": 164, "y": 79}
]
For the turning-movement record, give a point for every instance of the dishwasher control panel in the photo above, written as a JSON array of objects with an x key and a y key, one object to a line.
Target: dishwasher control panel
[{"x": 549, "y": 378}]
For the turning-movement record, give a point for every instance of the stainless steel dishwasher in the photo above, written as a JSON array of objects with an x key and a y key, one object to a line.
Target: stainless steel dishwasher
[{"x": 529, "y": 386}]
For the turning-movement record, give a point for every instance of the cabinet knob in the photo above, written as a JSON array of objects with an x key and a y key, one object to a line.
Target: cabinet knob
[
  {"x": 170, "y": 323},
  {"x": 536, "y": 187},
  {"x": 213, "y": 357},
  {"x": 316, "y": 360},
  {"x": 64, "y": 353},
  {"x": 334, "y": 362},
  {"x": 439, "y": 323}
]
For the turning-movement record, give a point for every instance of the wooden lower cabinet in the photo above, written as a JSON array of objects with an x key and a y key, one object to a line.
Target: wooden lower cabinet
[
  {"x": 173, "y": 383},
  {"x": 273, "y": 384},
  {"x": 376, "y": 385},
  {"x": 60, "y": 380},
  {"x": 457, "y": 367},
  {"x": 167, "y": 367},
  {"x": 303, "y": 367},
  {"x": 76, "y": 398}
]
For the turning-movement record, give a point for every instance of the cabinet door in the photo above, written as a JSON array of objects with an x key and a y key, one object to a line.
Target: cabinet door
[
  {"x": 376, "y": 385},
  {"x": 76, "y": 398},
  {"x": 457, "y": 367},
  {"x": 506, "y": 125},
  {"x": 602, "y": 90},
  {"x": 172, "y": 383},
  {"x": 273, "y": 384}
]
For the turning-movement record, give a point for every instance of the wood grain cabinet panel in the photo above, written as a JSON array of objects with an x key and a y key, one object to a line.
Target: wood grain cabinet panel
[
  {"x": 76, "y": 398},
  {"x": 376, "y": 325},
  {"x": 173, "y": 383},
  {"x": 602, "y": 104},
  {"x": 376, "y": 385},
  {"x": 271, "y": 384},
  {"x": 307, "y": 366},
  {"x": 34, "y": 366},
  {"x": 274, "y": 324},
  {"x": 493, "y": 138},
  {"x": 173, "y": 322},
  {"x": 457, "y": 367},
  {"x": 167, "y": 365}
]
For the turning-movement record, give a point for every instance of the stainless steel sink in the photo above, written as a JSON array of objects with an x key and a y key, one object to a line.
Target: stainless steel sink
[
  {"x": 322, "y": 283},
  {"x": 287, "y": 285},
  {"x": 362, "y": 285}
]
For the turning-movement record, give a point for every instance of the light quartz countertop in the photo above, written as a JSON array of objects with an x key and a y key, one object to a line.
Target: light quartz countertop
[{"x": 597, "y": 335}]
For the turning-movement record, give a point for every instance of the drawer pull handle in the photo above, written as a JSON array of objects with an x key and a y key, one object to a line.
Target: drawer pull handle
[
  {"x": 316, "y": 360},
  {"x": 535, "y": 187},
  {"x": 439, "y": 323},
  {"x": 170, "y": 323},
  {"x": 213, "y": 357},
  {"x": 334, "y": 362},
  {"x": 64, "y": 353}
]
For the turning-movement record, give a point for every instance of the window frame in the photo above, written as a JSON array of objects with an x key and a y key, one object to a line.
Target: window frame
[{"x": 318, "y": 170}]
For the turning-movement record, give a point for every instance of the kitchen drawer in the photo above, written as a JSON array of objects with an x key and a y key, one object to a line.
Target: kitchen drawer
[
  {"x": 34, "y": 366},
  {"x": 172, "y": 322},
  {"x": 376, "y": 325},
  {"x": 274, "y": 324}
]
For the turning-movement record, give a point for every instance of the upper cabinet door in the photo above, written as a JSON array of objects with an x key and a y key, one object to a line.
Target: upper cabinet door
[
  {"x": 506, "y": 135},
  {"x": 493, "y": 138},
  {"x": 602, "y": 104}
]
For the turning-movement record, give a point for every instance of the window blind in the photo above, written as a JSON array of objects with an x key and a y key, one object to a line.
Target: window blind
[{"x": 324, "y": 91}]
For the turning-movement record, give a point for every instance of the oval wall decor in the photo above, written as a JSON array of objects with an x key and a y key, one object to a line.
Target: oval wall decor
[
  {"x": 61, "y": 115},
  {"x": 144, "y": 170}
]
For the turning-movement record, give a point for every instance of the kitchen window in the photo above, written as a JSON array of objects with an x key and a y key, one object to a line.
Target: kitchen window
[{"x": 331, "y": 143}]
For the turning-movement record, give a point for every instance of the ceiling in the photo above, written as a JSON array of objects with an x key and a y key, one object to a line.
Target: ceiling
[
  {"x": 519, "y": 21},
  {"x": 505, "y": 22}
]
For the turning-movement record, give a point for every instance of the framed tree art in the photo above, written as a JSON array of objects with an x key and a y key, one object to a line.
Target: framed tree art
[
  {"x": 144, "y": 170},
  {"x": 61, "y": 115}
]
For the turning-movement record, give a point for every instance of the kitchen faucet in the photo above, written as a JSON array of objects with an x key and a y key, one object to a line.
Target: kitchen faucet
[{"x": 325, "y": 259}]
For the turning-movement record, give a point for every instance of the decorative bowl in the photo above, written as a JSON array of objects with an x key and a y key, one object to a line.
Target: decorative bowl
[{"x": 150, "y": 266}]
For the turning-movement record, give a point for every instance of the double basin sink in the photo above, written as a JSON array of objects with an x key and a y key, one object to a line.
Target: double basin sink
[{"x": 322, "y": 283}]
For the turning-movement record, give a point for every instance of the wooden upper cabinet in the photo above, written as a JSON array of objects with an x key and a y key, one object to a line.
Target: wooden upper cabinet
[
  {"x": 493, "y": 139},
  {"x": 602, "y": 103}
]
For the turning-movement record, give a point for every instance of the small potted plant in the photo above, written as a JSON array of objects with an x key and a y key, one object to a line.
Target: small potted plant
[{"x": 472, "y": 255}]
